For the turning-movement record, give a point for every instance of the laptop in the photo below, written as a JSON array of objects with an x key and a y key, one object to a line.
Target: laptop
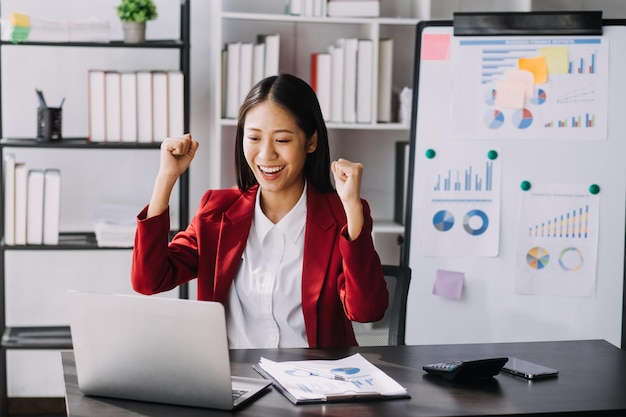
[{"x": 155, "y": 349}]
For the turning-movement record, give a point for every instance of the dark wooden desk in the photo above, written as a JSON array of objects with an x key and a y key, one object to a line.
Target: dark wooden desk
[{"x": 592, "y": 381}]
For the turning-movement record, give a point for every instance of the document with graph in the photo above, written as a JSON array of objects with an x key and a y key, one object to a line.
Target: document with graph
[
  {"x": 532, "y": 88},
  {"x": 557, "y": 246},
  {"x": 349, "y": 379}
]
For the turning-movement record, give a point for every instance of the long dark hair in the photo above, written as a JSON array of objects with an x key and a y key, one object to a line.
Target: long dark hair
[{"x": 299, "y": 99}]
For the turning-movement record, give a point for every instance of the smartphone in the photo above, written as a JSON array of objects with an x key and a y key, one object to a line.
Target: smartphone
[{"x": 528, "y": 370}]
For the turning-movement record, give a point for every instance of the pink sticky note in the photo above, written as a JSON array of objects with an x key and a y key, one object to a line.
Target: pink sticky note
[
  {"x": 435, "y": 47},
  {"x": 449, "y": 284}
]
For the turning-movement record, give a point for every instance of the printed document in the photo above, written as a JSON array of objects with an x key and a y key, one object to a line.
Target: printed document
[{"x": 350, "y": 378}]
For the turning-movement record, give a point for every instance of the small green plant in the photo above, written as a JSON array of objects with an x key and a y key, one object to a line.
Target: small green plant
[{"x": 136, "y": 10}]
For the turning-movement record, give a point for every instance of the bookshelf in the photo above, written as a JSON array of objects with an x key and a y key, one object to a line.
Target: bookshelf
[
  {"x": 371, "y": 143},
  {"x": 32, "y": 315}
]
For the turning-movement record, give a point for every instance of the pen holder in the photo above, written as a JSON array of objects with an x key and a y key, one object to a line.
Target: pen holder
[{"x": 49, "y": 124}]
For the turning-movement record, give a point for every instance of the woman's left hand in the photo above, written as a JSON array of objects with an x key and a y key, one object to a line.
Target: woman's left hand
[
  {"x": 347, "y": 179},
  {"x": 348, "y": 184}
]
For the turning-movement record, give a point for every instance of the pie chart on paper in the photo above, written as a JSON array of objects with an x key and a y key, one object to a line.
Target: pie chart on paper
[
  {"x": 490, "y": 96},
  {"x": 443, "y": 220},
  {"x": 540, "y": 97},
  {"x": 494, "y": 119},
  {"x": 537, "y": 257},
  {"x": 522, "y": 118}
]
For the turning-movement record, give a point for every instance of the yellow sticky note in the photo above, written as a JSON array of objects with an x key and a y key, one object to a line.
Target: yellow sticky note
[
  {"x": 537, "y": 65},
  {"x": 19, "y": 19},
  {"x": 557, "y": 58}
]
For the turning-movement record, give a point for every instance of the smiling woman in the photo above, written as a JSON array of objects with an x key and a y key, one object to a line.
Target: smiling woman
[
  {"x": 275, "y": 149},
  {"x": 290, "y": 257}
]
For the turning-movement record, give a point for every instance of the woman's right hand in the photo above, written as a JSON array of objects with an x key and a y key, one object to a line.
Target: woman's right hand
[{"x": 176, "y": 155}]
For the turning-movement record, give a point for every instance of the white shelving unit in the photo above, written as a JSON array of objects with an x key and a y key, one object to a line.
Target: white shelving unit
[
  {"x": 34, "y": 279},
  {"x": 373, "y": 143}
]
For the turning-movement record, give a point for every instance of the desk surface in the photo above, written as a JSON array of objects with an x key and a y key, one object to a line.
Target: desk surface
[{"x": 592, "y": 379}]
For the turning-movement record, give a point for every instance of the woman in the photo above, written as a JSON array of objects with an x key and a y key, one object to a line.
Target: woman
[{"x": 291, "y": 259}]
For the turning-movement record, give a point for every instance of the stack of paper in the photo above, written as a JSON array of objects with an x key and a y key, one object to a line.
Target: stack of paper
[
  {"x": 21, "y": 27},
  {"x": 350, "y": 378},
  {"x": 115, "y": 225}
]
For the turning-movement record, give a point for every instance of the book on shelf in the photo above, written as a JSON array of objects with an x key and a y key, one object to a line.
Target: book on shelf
[
  {"x": 8, "y": 176},
  {"x": 21, "y": 198},
  {"x": 296, "y": 7},
  {"x": 350, "y": 47},
  {"x": 112, "y": 110},
  {"x": 321, "y": 68},
  {"x": 385, "y": 75},
  {"x": 34, "y": 207},
  {"x": 401, "y": 181},
  {"x": 272, "y": 53},
  {"x": 176, "y": 103},
  {"x": 364, "y": 78},
  {"x": 258, "y": 62},
  {"x": 159, "y": 106},
  {"x": 352, "y": 378},
  {"x": 135, "y": 106},
  {"x": 353, "y": 8},
  {"x": 243, "y": 65},
  {"x": 245, "y": 70},
  {"x": 233, "y": 56},
  {"x": 223, "y": 81},
  {"x": 336, "y": 83},
  {"x": 316, "y": 8},
  {"x": 51, "y": 206},
  {"x": 144, "y": 106},
  {"x": 96, "y": 91},
  {"x": 128, "y": 106}
]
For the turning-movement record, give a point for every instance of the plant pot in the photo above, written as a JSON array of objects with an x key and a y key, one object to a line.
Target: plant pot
[{"x": 134, "y": 32}]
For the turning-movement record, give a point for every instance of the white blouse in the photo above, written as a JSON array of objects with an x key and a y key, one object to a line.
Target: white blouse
[{"x": 264, "y": 305}]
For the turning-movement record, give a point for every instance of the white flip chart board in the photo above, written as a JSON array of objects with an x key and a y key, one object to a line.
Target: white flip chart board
[{"x": 517, "y": 190}]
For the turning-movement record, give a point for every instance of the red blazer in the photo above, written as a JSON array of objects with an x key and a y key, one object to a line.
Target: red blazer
[{"x": 342, "y": 280}]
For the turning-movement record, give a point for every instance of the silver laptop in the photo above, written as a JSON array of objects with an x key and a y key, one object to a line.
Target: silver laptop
[{"x": 155, "y": 349}]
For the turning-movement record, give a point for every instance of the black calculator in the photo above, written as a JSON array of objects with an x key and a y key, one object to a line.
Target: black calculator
[{"x": 464, "y": 370}]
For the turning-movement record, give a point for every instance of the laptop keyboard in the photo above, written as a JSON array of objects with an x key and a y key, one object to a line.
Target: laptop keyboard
[{"x": 237, "y": 393}]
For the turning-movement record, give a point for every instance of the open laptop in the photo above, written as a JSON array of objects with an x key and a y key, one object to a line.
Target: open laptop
[{"x": 155, "y": 349}]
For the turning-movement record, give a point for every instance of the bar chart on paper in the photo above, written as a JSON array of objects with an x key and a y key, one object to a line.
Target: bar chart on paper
[
  {"x": 572, "y": 224},
  {"x": 461, "y": 216},
  {"x": 467, "y": 179}
]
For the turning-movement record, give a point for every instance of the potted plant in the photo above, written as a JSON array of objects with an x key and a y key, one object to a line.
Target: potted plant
[{"x": 134, "y": 14}]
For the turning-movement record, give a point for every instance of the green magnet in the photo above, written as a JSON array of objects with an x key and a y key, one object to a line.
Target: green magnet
[
  {"x": 525, "y": 185},
  {"x": 594, "y": 188},
  {"x": 492, "y": 154},
  {"x": 430, "y": 153}
]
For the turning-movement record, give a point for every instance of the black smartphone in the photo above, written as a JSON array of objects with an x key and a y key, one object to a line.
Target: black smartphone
[{"x": 528, "y": 370}]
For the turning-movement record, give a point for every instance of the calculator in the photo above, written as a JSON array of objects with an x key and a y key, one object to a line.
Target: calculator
[{"x": 463, "y": 370}]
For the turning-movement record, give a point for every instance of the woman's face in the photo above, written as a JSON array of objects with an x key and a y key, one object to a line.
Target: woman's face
[{"x": 276, "y": 149}]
